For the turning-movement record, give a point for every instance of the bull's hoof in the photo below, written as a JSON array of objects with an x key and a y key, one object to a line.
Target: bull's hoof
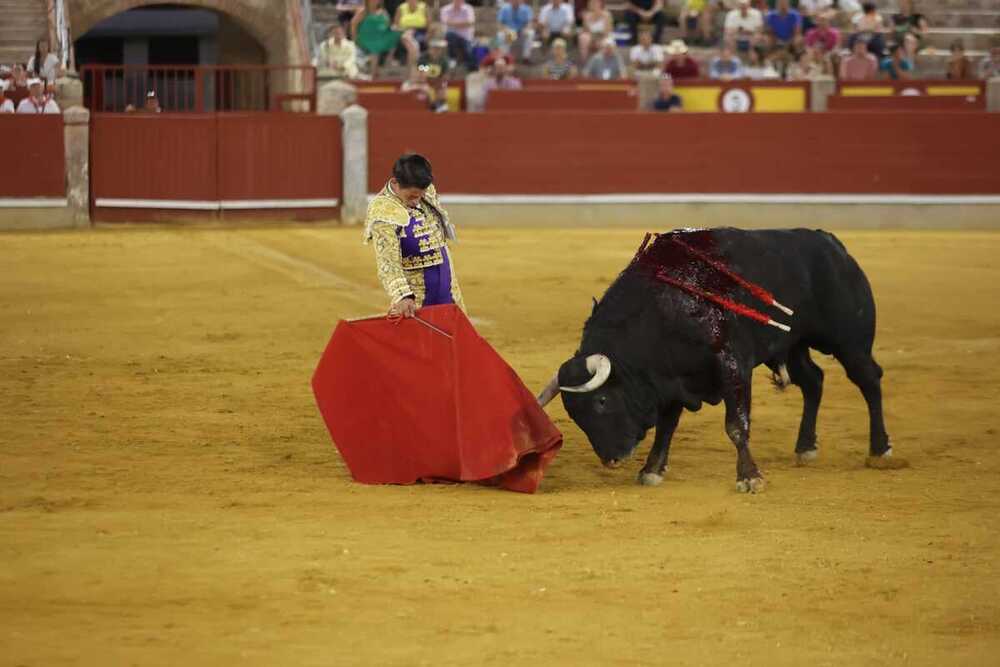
[
  {"x": 650, "y": 478},
  {"x": 886, "y": 462},
  {"x": 806, "y": 457},
  {"x": 750, "y": 485}
]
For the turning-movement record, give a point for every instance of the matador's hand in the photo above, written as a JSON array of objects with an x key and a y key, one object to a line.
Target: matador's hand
[{"x": 404, "y": 307}]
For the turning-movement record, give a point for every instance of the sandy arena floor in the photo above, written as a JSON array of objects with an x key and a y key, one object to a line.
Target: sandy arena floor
[{"x": 168, "y": 493}]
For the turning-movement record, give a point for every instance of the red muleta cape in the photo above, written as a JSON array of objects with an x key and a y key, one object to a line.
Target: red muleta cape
[{"x": 405, "y": 403}]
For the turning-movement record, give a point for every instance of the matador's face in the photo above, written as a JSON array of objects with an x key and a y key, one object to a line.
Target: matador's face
[{"x": 410, "y": 196}]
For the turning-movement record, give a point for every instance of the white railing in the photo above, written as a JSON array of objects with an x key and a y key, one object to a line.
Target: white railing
[
  {"x": 309, "y": 31},
  {"x": 62, "y": 33}
]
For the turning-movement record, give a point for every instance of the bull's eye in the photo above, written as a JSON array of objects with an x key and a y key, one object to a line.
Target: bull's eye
[{"x": 600, "y": 402}]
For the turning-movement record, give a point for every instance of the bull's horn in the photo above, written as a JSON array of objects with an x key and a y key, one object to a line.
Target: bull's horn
[
  {"x": 550, "y": 391},
  {"x": 599, "y": 367}
]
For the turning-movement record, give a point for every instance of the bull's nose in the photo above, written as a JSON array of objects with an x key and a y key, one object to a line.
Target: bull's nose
[{"x": 612, "y": 463}]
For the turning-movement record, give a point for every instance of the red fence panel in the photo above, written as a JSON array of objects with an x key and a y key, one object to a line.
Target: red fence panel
[
  {"x": 34, "y": 156},
  {"x": 280, "y": 156},
  {"x": 590, "y": 153},
  {"x": 164, "y": 166},
  {"x": 153, "y": 157}
]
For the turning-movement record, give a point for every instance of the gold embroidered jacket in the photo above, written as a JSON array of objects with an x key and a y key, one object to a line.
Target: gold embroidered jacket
[{"x": 387, "y": 219}]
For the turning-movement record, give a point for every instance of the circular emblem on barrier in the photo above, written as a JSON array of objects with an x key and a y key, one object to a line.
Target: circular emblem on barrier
[{"x": 736, "y": 100}]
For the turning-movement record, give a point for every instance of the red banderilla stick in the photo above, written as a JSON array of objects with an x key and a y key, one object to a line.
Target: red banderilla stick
[
  {"x": 753, "y": 288},
  {"x": 722, "y": 301}
]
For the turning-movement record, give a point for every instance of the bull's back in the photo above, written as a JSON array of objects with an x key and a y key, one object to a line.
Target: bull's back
[{"x": 813, "y": 273}]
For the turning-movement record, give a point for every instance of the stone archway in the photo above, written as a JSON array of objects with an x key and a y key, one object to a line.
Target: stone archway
[{"x": 265, "y": 20}]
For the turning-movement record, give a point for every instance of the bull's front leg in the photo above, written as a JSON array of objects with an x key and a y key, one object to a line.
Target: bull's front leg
[
  {"x": 656, "y": 463},
  {"x": 737, "y": 399}
]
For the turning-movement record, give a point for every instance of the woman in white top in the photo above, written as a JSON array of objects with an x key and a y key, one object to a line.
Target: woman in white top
[
  {"x": 7, "y": 106},
  {"x": 596, "y": 25},
  {"x": 44, "y": 64}
]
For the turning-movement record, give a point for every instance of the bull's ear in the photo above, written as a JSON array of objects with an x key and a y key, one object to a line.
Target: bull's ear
[{"x": 594, "y": 308}]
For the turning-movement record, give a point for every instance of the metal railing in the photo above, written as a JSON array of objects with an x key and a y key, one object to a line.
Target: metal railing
[
  {"x": 62, "y": 34},
  {"x": 200, "y": 88},
  {"x": 309, "y": 31}
]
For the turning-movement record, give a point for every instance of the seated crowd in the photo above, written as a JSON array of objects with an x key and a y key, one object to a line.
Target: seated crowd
[
  {"x": 564, "y": 39},
  {"x": 29, "y": 88}
]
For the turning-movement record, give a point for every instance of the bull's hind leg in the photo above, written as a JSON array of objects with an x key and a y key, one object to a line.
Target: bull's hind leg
[
  {"x": 737, "y": 400},
  {"x": 867, "y": 375},
  {"x": 656, "y": 463},
  {"x": 804, "y": 372}
]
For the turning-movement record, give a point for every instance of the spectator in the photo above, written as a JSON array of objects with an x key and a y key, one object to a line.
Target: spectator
[
  {"x": 412, "y": 21},
  {"x": 421, "y": 88},
  {"x": 646, "y": 12},
  {"x": 744, "y": 26},
  {"x": 459, "y": 21},
  {"x": 896, "y": 65},
  {"x": 37, "y": 101},
  {"x": 846, "y": 12},
  {"x": 869, "y": 24},
  {"x": 726, "y": 65},
  {"x": 989, "y": 67},
  {"x": 338, "y": 54},
  {"x": 907, "y": 21},
  {"x": 44, "y": 64},
  {"x": 666, "y": 98},
  {"x": 811, "y": 64},
  {"x": 959, "y": 67},
  {"x": 374, "y": 34},
  {"x": 6, "y": 79},
  {"x": 646, "y": 56},
  {"x": 435, "y": 63},
  {"x": 559, "y": 65},
  {"x": 501, "y": 77},
  {"x": 151, "y": 105},
  {"x": 597, "y": 25},
  {"x": 517, "y": 18},
  {"x": 759, "y": 68},
  {"x": 556, "y": 20},
  {"x": 498, "y": 52},
  {"x": 823, "y": 35},
  {"x": 606, "y": 64},
  {"x": 861, "y": 65},
  {"x": 784, "y": 26},
  {"x": 6, "y": 106},
  {"x": 347, "y": 10},
  {"x": 17, "y": 88},
  {"x": 696, "y": 19},
  {"x": 679, "y": 64},
  {"x": 813, "y": 10}
]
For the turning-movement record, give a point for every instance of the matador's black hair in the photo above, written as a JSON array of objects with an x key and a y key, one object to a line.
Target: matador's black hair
[{"x": 412, "y": 171}]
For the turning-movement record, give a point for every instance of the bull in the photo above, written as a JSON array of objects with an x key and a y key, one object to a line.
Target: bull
[{"x": 650, "y": 350}]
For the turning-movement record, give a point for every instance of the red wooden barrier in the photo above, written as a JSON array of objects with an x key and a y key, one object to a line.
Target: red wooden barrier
[
  {"x": 161, "y": 157},
  {"x": 549, "y": 153},
  {"x": 34, "y": 162},
  {"x": 535, "y": 99},
  {"x": 906, "y": 103},
  {"x": 289, "y": 156},
  {"x": 171, "y": 165}
]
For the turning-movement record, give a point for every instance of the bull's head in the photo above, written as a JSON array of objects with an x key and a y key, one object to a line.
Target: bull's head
[{"x": 595, "y": 399}]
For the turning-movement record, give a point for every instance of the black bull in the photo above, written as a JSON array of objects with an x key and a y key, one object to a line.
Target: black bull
[{"x": 652, "y": 348}]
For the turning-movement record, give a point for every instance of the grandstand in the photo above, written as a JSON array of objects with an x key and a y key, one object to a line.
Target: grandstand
[{"x": 976, "y": 23}]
